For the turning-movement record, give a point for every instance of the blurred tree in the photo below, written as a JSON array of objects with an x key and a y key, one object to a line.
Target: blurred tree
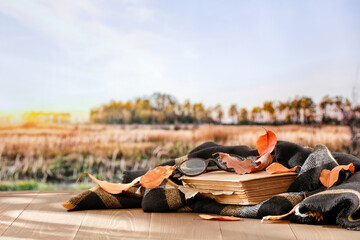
[
  {"x": 128, "y": 112},
  {"x": 285, "y": 107},
  {"x": 323, "y": 105},
  {"x": 233, "y": 113},
  {"x": 307, "y": 109},
  {"x": 295, "y": 109},
  {"x": 208, "y": 113},
  {"x": 46, "y": 117},
  {"x": 219, "y": 113},
  {"x": 199, "y": 112},
  {"x": 188, "y": 113},
  {"x": 255, "y": 113},
  {"x": 269, "y": 109},
  {"x": 164, "y": 108},
  {"x": 350, "y": 117},
  {"x": 243, "y": 116},
  {"x": 187, "y": 108},
  {"x": 164, "y": 103}
]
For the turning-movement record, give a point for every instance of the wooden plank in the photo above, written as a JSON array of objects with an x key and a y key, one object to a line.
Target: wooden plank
[
  {"x": 115, "y": 224},
  {"x": 254, "y": 229},
  {"x": 45, "y": 218},
  {"x": 182, "y": 226},
  {"x": 8, "y": 193},
  {"x": 318, "y": 232},
  {"x": 71, "y": 192},
  {"x": 11, "y": 206},
  {"x": 39, "y": 215}
]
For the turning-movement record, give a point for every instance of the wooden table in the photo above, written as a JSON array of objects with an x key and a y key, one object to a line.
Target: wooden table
[{"x": 39, "y": 215}]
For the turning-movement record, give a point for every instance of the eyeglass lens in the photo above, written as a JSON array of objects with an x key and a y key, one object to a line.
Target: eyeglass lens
[{"x": 193, "y": 167}]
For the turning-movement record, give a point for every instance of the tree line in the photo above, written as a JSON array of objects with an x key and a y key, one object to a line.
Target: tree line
[{"x": 165, "y": 109}]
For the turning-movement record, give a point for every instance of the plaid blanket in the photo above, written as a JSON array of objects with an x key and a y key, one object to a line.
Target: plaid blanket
[{"x": 339, "y": 204}]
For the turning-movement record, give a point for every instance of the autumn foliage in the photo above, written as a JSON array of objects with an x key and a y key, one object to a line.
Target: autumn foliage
[
  {"x": 151, "y": 179},
  {"x": 154, "y": 178},
  {"x": 222, "y": 218},
  {"x": 113, "y": 188},
  {"x": 329, "y": 178},
  {"x": 265, "y": 145},
  {"x": 279, "y": 168}
]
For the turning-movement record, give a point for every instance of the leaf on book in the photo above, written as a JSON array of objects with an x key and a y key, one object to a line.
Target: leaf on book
[
  {"x": 266, "y": 143},
  {"x": 240, "y": 167},
  {"x": 279, "y": 168},
  {"x": 153, "y": 178},
  {"x": 222, "y": 218},
  {"x": 329, "y": 178},
  {"x": 263, "y": 162},
  {"x": 113, "y": 188},
  {"x": 279, "y": 217}
]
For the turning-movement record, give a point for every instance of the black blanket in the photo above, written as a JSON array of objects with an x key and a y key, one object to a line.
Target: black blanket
[{"x": 339, "y": 204}]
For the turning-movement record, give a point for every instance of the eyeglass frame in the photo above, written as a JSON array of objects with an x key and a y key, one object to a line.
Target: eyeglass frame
[{"x": 207, "y": 161}]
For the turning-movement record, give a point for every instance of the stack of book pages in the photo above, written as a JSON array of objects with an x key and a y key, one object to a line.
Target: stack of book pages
[{"x": 231, "y": 188}]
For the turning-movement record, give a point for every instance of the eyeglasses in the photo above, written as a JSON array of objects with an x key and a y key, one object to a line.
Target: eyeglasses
[{"x": 197, "y": 166}]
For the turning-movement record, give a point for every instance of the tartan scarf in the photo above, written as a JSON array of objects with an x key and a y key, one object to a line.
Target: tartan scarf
[{"x": 340, "y": 204}]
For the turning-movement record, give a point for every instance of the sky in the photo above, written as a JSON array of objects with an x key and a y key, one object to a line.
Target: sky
[{"x": 71, "y": 56}]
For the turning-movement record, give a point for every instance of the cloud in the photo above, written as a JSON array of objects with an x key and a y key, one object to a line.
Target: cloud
[
  {"x": 96, "y": 56},
  {"x": 80, "y": 54},
  {"x": 141, "y": 13},
  {"x": 191, "y": 54}
]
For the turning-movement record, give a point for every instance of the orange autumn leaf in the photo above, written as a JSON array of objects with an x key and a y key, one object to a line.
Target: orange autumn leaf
[
  {"x": 263, "y": 162},
  {"x": 279, "y": 217},
  {"x": 222, "y": 218},
  {"x": 279, "y": 168},
  {"x": 245, "y": 166},
  {"x": 329, "y": 178},
  {"x": 240, "y": 167},
  {"x": 266, "y": 143},
  {"x": 317, "y": 215},
  {"x": 113, "y": 188},
  {"x": 153, "y": 178}
]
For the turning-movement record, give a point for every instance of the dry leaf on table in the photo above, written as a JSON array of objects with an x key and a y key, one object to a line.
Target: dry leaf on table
[
  {"x": 113, "y": 188},
  {"x": 266, "y": 143},
  {"x": 222, "y": 218},
  {"x": 279, "y": 217},
  {"x": 279, "y": 168},
  {"x": 153, "y": 178},
  {"x": 329, "y": 178}
]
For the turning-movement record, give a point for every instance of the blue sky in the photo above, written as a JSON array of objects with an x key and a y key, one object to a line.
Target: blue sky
[{"x": 70, "y": 56}]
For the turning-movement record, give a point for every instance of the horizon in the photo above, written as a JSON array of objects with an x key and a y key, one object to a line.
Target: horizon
[
  {"x": 73, "y": 56},
  {"x": 227, "y": 118}
]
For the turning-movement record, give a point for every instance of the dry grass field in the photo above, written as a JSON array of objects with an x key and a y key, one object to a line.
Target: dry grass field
[{"x": 59, "y": 153}]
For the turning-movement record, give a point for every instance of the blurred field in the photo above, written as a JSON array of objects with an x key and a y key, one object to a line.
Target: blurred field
[{"x": 59, "y": 153}]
